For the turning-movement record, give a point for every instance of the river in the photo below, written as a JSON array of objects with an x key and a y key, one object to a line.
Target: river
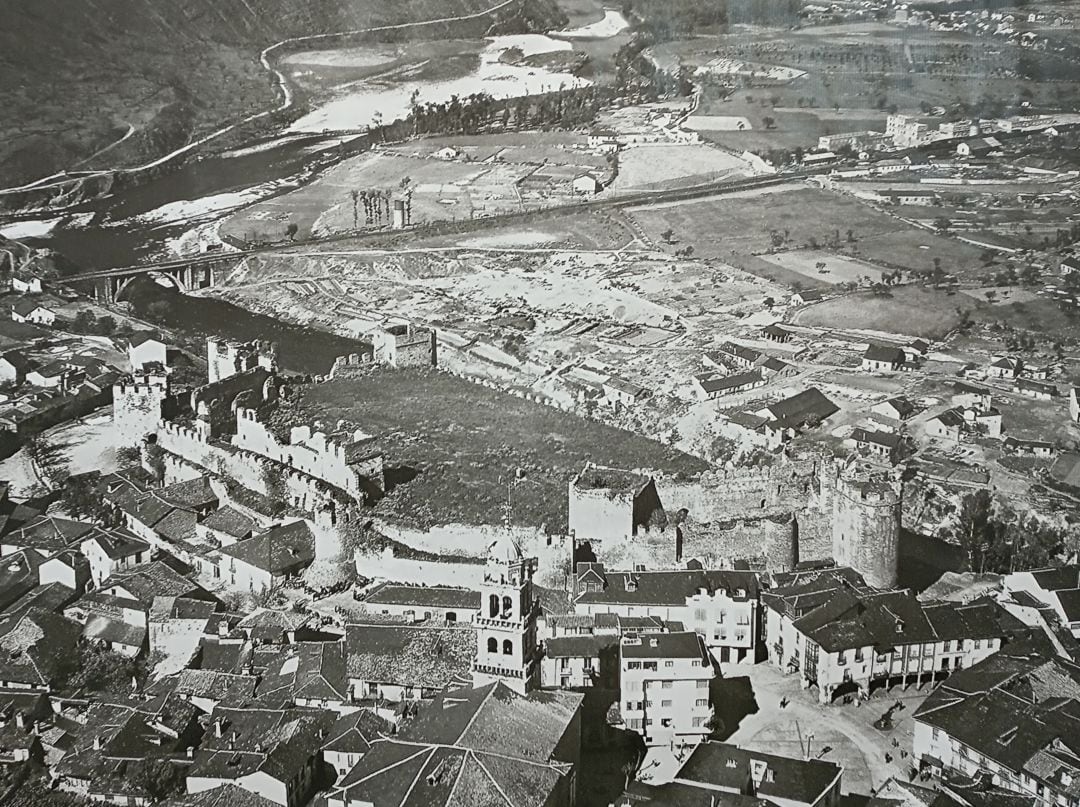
[{"x": 149, "y": 220}]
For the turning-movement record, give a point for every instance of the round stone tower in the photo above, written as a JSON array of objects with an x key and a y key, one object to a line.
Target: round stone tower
[{"x": 866, "y": 522}]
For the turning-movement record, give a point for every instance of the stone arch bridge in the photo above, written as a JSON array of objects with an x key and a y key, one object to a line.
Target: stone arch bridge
[{"x": 186, "y": 275}]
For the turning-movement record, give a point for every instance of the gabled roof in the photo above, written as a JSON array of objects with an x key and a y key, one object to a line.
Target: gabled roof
[
  {"x": 35, "y": 647},
  {"x": 230, "y": 521},
  {"x": 279, "y": 550},
  {"x": 118, "y": 543},
  {"x": 798, "y": 408},
  {"x": 885, "y": 439},
  {"x": 950, "y": 417},
  {"x": 18, "y": 361},
  {"x": 728, "y": 767},
  {"x": 305, "y": 671},
  {"x": 884, "y": 353},
  {"x": 424, "y": 596},
  {"x": 709, "y": 385},
  {"x": 671, "y": 587},
  {"x": 902, "y": 406},
  {"x": 475, "y": 747},
  {"x": 354, "y": 733}
]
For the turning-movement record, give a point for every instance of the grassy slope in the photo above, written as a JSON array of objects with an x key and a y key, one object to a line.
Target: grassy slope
[
  {"x": 77, "y": 73},
  {"x": 465, "y": 440}
]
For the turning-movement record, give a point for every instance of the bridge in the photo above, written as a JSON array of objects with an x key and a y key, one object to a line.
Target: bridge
[
  {"x": 185, "y": 274},
  {"x": 204, "y": 270}
]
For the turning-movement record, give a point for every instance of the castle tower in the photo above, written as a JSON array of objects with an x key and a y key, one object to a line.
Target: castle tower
[
  {"x": 139, "y": 405},
  {"x": 506, "y": 644},
  {"x": 866, "y": 523}
]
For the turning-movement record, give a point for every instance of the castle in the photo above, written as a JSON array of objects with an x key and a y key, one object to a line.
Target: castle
[{"x": 798, "y": 510}]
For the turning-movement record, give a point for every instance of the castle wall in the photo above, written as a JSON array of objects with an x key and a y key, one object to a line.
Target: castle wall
[
  {"x": 214, "y": 401},
  {"x": 726, "y": 495},
  {"x": 324, "y": 458},
  {"x": 719, "y": 544}
]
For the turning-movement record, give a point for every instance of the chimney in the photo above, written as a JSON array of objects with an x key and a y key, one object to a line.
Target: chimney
[
  {"x": 20, "y": 720},
  {"x": 218, "y": 727},
  {"x": 223, "y": 628},
  {"x": 97, "y": 742},
  {"x": 190, "y": 751}
]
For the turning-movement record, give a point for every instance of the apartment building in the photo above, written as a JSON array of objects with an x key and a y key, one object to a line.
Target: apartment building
[
  {"x": 720, "y": 605},
  {"x": 664, "y": 682}
]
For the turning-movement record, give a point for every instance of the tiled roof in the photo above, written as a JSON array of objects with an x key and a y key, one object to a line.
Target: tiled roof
[
  {"x": 278, "y": 550},
  {"x": 788, "y": 779},
  {"x": 1011, "y": 709},
  {"x": 796, "y": 409},
  {"x": 305, "y": 671},
  {"x": 687, "y": 645},
  {"x": 671, "y": 587},
  {"x": 425, "y": 597},
  {"x": 417, "y": 656},
  {"x": 883, "y": 353},
  {"x": 229, "y": 521},
  {"x": 354, "y": 733},
  {"x": 486, "y": 746},
  {"x": 35, "y": 648}
]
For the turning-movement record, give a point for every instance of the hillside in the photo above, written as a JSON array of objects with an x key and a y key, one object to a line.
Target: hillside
[{"x": 79, "y": 75}]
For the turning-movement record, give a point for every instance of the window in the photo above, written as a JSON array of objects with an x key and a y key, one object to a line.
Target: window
[
  {"x": 508, "y": 647},
  {"x": 858, "y": 654},
  {"x": 508, "y": 605},
  {"x": 493, "y": 645},
  {"x": 723, "y": 616},
  {"x": 841, "y": 658},
  {"x": 669, "y": 663},
  {"x": 649, "y": 665},
  {"x": 564, "y": 664},
  {"x": 493, "y": 605},
  {"x": 743, "y": 619},
  {"x": 702, "y": 684},
  {"x": 928, "y": 650},
  {"x": 701, "y": 702},
  {"x": 740, "y": 636},
  {"x": 665, "y": 685},
  {"x": 633, "y": 665},
  {"x": 648, "y": 704},
  {"x": 665, "y": 704},
  {"x": 699, "y": 614},
  {"x": 698, "y": 722},
  {"x": 648, "y": 721}
]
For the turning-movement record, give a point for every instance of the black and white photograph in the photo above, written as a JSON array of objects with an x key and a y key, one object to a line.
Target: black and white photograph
[{"x": 540, "y": 403}]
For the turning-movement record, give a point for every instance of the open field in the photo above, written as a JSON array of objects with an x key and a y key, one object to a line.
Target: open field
[
  {"x": 908, "y": 310},
  {"x": 652, "y": 166},
  {"x": 466, "y": 441},
  {"x": 734, "y": 228},
  {"x": 838, "y": 268}
]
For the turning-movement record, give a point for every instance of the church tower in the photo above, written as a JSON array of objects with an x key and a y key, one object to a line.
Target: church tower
[{"x": 506, "y": 644}]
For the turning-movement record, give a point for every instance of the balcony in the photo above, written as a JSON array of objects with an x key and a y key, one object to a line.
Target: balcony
[
  {"x": 502, "y": 672},
  {"x": 497, "y": 622}
]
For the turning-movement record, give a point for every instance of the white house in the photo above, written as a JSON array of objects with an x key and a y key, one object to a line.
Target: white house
[
  {"x": 586, "y": 184},
  {"x": 33, "y": 312},
  {"x": 664, "y": 681},
  {"x": 878, "y": 358},
  {"x": 109, "y": 552},
  {"x": 267, "y": 560},
  {"x": 144, "y": 349},
  {"x": 1057, "y": 587}
]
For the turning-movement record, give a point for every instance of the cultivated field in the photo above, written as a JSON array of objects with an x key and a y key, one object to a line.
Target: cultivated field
[{"x": 465, "y": 441}]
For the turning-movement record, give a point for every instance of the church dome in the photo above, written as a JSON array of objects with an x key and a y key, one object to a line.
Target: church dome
[{"x": 504, "y": 549}]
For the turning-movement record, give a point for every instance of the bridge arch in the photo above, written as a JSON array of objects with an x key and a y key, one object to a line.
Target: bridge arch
[{"x": 125, "y": 282}]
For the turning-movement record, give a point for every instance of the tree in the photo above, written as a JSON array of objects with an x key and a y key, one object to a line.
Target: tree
[
  {"x": 292, "y": 230},
  {"x": 975, "y": 527},
  {"x": 942, "y": 224},
  {"x": 354, "y": 195},
  {"x": 667, "y": 235},
  {"x": 84, "y": 321},
  {"x": 160, "y": 778},
  {"x": 82, "y": 496},
  {"x": 769, "y": 121}
]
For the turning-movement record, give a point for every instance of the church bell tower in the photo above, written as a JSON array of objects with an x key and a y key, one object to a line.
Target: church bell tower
[{"x": 506, "y": 644}]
